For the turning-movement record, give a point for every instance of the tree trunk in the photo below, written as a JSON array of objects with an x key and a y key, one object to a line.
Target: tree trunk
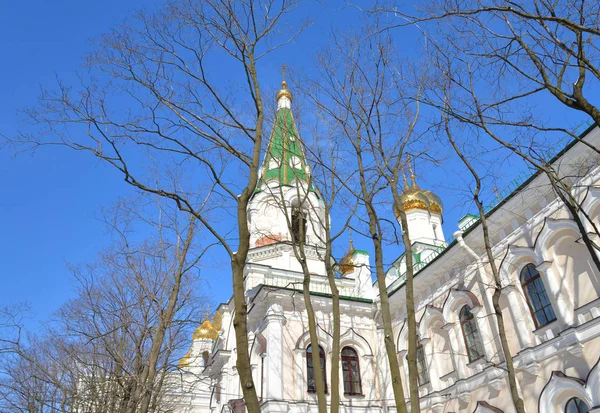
[{"x": 512, "y": 380}]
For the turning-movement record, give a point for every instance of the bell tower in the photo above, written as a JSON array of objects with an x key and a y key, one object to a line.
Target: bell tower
[{"x": 286, "y": 208}]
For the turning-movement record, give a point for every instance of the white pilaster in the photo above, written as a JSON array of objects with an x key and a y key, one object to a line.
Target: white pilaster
[
  {"x": 434, "y": 377},
  {"x": 273, "y": 332},
  {"x": 459, "y": 365},
  {"x": 522, "y": 326}
]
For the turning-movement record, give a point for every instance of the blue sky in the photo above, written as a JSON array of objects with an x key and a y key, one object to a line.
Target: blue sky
[{"x": 50, "y": 200}]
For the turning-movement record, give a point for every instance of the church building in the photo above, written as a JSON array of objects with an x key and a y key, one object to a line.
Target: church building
[{"x": 550, "y": 300}]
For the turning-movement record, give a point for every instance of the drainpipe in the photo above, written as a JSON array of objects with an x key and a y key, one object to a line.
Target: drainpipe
[
  {"x": 458, "y": 236},
  {"x": 262, "y": 374}
]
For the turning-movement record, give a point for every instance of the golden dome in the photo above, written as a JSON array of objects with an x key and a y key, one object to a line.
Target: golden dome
[
  {"x": 217, "y": 321},
  {"x": 417, "y": 198},
  {"x": 284, "y": 92},
  {"x": 185, "y": 360},
  {"x": 346, "y": 263},
  {"x": 206, "y": 331}
]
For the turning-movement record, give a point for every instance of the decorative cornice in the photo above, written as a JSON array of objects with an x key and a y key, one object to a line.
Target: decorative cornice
[{"x": 544, "y": 266}]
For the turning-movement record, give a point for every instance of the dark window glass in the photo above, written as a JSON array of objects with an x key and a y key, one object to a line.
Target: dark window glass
[
  {"x": 537, "y": 299},
  {"x": 576, "y": 405},
  {"x": 310, "y": 370},
  {"x": 298, "y": 225},
  {"x": 351, "y": 371},
  {"x": 471, "y": 334}
]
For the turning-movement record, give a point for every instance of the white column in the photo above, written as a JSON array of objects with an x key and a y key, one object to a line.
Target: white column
[
  {"x": 434, "y": 377},
  {"x": 522, "y": 326},
  {"x": 300, "y": 368},
  {"x": 563, "y": 307},
  {"x": 404, "y": 368},
  {"x": 273, "y": 374},
  {"x": 459, "y": 366}
]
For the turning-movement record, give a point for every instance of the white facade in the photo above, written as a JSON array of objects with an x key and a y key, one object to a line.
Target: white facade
[{"x": 555, "y": 362}]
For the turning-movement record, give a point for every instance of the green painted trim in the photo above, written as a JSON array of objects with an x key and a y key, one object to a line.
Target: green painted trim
[{"x": 360, "y": 252}]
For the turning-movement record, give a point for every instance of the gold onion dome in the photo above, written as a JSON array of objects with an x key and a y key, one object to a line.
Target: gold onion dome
[
  {"x": 284, "y": 91},
  {"x": 185, "y": 360},
  {"x": 206, "y": 331},
  {"x": 346, "y": 263},
  {"x": 416, "y": 198}
]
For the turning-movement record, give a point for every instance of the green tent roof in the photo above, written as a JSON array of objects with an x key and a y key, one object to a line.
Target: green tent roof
[{"x": 284, "y": 160}]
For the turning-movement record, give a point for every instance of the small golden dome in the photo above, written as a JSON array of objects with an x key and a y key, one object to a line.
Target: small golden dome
[
  {"x": 185, "y": 360},
  {"x": 346, "y": 263},
  {"x": 284, "y": 92},
  {"x": 206, "y": 331},
  {"x": 417, "y": 198},
  {"x": 217, "y": 321}
]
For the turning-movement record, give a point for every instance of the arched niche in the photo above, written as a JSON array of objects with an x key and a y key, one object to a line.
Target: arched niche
[
  {"x": 576, "y": 269},
  {"x": 432, "y": 318},
  {"x": 591, "y": 205},
  {"x": 559, "y": 390},
  {"x": 352, "y": 339},
  {"x": 593, "y": 384},
  {"x": 516, "y": 258},
  {"x": 437, "y": 345},
  {"x": 552, "y": 230},
  {"x": 402, "y": 341},
  {"x": 455, "y": 301},
  {"x": 485, "y": 407},
  {"x": 325, "y": 340}
]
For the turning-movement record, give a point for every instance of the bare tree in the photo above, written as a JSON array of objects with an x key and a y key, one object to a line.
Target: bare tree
[
  {"x": 539, "y": 48},
  {"x": 111, "y": 347},
  {"x": 315, "y": 190},
  {"x": 363, "y": 94},
  {"x": 155, "y": 97},
  {"x": 491, "y": 261}
]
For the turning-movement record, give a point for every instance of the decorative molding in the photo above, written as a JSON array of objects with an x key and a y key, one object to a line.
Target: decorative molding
[
  {"x": 576, "y": 350},
  {"x": 497, "y": 384},
  {"x": 485, "y": 407},
  {"x": 464, "y": 397},
  {"x": 544, "y": 266},
  {"x": 559, "y": 389}
]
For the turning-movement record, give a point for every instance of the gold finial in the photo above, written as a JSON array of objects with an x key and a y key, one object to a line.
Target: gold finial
[
  {"x": 413, "y": 181},
  {"x": 347, "y": 263},
  {"x": 284, "y": 92}
]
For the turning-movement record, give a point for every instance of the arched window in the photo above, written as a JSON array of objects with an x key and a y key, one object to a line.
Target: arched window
[
  {"x": 471, "y": 335},
  {"x": 310, "y": 370},
  {"x": 537, "y": 299},
  {"x": 421, "y": 364},
  {"x": 351, "y": 371},
  {"x": 298, "y": 225},
  {"x": 576, "y": 405}
]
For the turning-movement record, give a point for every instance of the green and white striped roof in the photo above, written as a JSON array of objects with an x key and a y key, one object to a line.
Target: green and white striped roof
[{"x": 284, "y": 160}]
